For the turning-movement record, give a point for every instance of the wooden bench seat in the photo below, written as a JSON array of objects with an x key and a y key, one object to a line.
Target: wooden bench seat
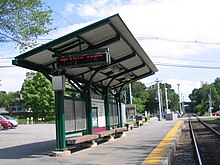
[
  {"x": 80, "y": 139},
  {"x": 121, "y": 129},
  {"x": 106, "y": 133}
]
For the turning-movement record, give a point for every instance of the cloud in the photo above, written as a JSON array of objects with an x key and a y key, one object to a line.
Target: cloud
[
  {"x": 166, "y": 27},
  {"x": 69, "y": 9},
  {"x": 12, "y": 78},
  {"x": 162, "y": 27},
  {"x": 186, "y": 87}
]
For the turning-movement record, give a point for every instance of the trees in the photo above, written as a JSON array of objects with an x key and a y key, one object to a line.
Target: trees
[
  {"x": 152, "y": 103},
  {"x": 38, "y": 95},
  {"x": 9, "y": 100},
  {"x": 146, "y": 99},
  {"x": 22, "y": 20},
  {"x": 139, "y": 95},
  {"x": 201, "y": 97}
]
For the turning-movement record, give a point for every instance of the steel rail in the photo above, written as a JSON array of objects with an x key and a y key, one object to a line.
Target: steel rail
[
  {"x": 206, "y": 125},
  {"x": 195, "y": 143}
]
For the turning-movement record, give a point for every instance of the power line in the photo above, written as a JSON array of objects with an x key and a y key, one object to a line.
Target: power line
[
  {"x": 60, "y": 15},
  {"x": 180, "y": 41},
  {"x": 186, "y": 66},
  {"x": 184, "y": 59},
  {"x": 6, "y": 58},
  {"x": 6, "y": 66},
  {"x": 13, "y": 39}
]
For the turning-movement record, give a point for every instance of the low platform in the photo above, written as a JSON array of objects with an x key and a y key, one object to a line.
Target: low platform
[{"x": 133, "y": 149}]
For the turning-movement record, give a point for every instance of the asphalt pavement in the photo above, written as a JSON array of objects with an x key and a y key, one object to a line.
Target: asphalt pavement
[{"x": 32, "y": 144}]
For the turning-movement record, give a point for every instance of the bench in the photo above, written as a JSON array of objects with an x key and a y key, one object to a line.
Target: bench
[
  {"x": 139, "y": 123},
  {"x": 81, "y": 139},
  {"x": 120, "y": 131},
  {"x": 106, "y": 133},
  {"x": 129, "y": 126},
  {"x": 139, "y": 120}
]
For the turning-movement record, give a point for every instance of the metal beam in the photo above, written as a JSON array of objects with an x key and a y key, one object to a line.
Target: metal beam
[
  {"x": 121, "y": 73},
  {"x": 131, "y": 80},
  {"x": 106, "y": 42},
  {"x": 113, "y": 62}
]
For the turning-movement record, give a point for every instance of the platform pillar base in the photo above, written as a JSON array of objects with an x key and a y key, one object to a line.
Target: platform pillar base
[{"x": 56, "y": 153}]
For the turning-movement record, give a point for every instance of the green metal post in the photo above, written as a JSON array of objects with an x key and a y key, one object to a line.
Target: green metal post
[
  {"x": 89, "y": 109},
  {"x": 119, "y": 109},
  {"x": 107, "y": 112},
  {"x": 60, "y": 121}
]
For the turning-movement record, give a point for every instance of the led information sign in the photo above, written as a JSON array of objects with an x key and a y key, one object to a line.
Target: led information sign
[{"x": 83, "y": 60}]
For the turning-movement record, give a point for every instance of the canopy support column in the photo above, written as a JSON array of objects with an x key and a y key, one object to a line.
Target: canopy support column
[
  {"x": 60, "y": 121},
  {"x": 88, "y": 109},
  {"x": 118, "y": 102},
  {"x": 107, "y": 112}
]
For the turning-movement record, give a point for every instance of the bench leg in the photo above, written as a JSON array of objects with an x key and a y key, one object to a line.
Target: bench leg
[
  {"x": 89, "y": 144},
  {"x": 109, "y": 138},
  {"x": 120, "y": 134}
]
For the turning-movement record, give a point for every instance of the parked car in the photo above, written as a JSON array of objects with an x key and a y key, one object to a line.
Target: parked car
[
  {"x": 217, "y": 113},
  {"x": 13, "y": 121},
  {"x": 1, "y": 127},
  {"x": 6, "y": 124}
]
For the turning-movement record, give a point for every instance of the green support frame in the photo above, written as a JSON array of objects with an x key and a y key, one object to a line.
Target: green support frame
[
  {"x": 118, "y": 102},
  {"x": 107, "y": 112},
  {"x": 40, "y": 59},
  {"x": 88, "y": 108},
  {"x": 60, "y": 121}
]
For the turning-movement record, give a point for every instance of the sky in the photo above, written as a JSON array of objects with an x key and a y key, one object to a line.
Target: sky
[{"x": 181, "y": 37}]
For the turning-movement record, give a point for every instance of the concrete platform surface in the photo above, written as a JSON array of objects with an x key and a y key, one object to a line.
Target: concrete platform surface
[{"x": 31, "y": 144}]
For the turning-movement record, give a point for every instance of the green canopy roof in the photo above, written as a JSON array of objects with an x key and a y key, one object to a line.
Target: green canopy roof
[{"x": 128, "y": 59}]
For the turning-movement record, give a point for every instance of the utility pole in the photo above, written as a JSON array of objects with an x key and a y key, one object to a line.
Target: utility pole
[
  {"x": 183, "y": 106},
  {"x": 210, "y": 102},
  {"x": 159, "y": 99},
  {"x": 180, "y": 110},
  {"x": 166, "y": 98}
]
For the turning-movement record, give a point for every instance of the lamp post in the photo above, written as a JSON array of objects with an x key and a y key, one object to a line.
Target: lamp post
[{"x": 180, "y": 110}]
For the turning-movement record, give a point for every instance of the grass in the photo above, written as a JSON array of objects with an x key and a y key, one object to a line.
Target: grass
[
  {"x": 216, "y": 119},
  {"x": 24, "y": 121}
]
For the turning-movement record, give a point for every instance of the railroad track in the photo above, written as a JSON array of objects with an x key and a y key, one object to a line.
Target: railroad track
[{"x": 206, "y": 141}]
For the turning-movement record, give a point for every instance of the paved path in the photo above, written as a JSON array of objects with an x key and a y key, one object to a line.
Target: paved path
[{"x": 30, "y": 144}]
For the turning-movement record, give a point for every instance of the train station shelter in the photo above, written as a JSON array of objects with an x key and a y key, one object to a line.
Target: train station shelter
[{"x": 96, "y": 62}]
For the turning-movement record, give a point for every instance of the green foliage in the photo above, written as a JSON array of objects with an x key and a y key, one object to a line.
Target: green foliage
[
  {"x": 2, "y": 99},
  {"x": 146, "y": 99},
  {"x": 173, "y": 98},
  {"x": 38, "y": 95},
  {"x": 152, "y": 103},
  {"x": 200, "y": 97},
  {"x": 22, "y": 20},
  {"x": 139, "y": 95},
  {"x": 139, "y": 105},
  {"x": 9, "y": 100}
]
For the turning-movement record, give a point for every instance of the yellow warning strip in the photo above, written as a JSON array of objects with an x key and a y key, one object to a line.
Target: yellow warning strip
[{"x": 155, "y": 156}]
